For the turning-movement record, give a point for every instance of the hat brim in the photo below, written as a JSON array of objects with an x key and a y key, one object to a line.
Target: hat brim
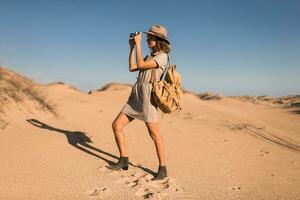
[{"x": 163, "y": 38}]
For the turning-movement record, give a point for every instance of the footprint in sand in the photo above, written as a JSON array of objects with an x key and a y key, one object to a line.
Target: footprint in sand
[
  {"x": 132, "y": 178},
  {"x": 148, "y": 188},
  {"x": 159, "y": 189},
  {"x": 102, "y": 169},
  {"x": 143, "y": 185},
  {"x": 145, "y": 192},
  {"x": 98, "y": 191},
  {"x": 188, "y": 117},
  {"x": 236, "y": 188},
  {"x": 263, "y": 153}
]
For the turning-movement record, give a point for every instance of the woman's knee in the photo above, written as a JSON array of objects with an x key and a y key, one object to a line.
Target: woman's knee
[
  {"x": 116, "y": 126},
  {"x": 121, "y": 121}
]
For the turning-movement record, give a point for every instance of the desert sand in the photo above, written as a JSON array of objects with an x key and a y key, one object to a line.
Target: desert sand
[{"x": 217, "y": 148}]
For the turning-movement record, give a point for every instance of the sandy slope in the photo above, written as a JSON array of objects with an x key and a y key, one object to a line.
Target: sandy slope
[{"x": 217, "y": 149}]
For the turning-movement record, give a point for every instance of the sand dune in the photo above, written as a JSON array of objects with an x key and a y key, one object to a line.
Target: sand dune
[{"x": 218, "y": 147}]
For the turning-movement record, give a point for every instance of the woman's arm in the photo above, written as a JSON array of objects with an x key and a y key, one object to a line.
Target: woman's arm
[
  {"x": 132, "y": 65},
  {"x": 151, "y": 63}
]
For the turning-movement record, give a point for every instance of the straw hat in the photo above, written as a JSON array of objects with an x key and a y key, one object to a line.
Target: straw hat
[{"x": 158, "y": 31}]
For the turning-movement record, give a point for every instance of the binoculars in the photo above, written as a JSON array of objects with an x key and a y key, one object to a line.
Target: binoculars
[{"x": 132, "y": 35}]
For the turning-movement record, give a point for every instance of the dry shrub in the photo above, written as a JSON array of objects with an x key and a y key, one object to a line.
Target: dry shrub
[
  {"x": 210, "y": 96},
  {"x": 37, "y": 95},
  {"x": 17, "y": 87},
  {"x": 3, "y": 123}
]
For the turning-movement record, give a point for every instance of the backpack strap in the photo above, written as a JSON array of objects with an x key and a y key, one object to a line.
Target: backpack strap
[
  {"x": 153, "y": 73},
  {"x": 166, "y": 70}
]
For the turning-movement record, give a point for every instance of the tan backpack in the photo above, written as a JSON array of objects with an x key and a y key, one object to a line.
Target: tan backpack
[{"x": 167, "y": 91}]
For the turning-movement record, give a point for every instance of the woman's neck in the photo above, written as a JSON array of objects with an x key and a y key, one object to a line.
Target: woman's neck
[{"x": 154, "y": 51}]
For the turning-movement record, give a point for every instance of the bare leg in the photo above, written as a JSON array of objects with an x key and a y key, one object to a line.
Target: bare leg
[
  {"x": 117, "y": 126},
  {"x": 154, "y": 133}
]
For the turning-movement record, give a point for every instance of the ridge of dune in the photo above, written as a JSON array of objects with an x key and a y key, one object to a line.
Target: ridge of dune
[
  {"x": 63, "y": 84},
  {"x": 113, "y": 86}
]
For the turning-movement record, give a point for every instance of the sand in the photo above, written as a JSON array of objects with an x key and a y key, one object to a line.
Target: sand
[{"x": 216, "y": 149}]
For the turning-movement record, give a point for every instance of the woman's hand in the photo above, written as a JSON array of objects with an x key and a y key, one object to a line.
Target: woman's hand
[
  {"x": 138, "y": 38},
  {"x": 131, "y": 43}
]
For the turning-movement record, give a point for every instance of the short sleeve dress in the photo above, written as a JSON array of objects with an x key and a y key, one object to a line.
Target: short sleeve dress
[{"x": 140, "y": 104}]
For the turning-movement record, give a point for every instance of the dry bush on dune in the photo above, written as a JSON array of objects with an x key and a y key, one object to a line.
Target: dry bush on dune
[
  {"x": 210, "y": 96},
  {"x": 266, "y": 98},
  {"x": 16, "y": 88},
  {"x": 246, "y": 98},
  {"x": 291, "y": 100},
  {"x": 3, "y": 123},
  {"x": 285, "y": 101},
  {"x": 185, "y": 91},
  {"x": 295, "y": 104}
]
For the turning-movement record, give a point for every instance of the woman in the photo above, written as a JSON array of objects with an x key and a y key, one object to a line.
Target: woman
[{"x": 140, "y": 105}]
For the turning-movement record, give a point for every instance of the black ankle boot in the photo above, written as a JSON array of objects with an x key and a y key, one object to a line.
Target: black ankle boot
[
  {"x": 122, "y": 163},
  {"x": 161, "y": 174}
]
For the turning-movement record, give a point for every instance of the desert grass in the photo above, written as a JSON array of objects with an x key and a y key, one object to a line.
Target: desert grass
[
  {"x": 210, "y": 96},
  {"x": 16, "y": 88},
  {"x": 3, "y": 123}
]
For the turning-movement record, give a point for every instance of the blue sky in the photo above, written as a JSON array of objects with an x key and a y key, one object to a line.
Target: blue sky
[{"x": 229, "y": 47}]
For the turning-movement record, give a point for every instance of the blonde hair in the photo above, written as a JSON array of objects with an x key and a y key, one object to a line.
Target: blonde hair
[{"x": 162, "y": 45}]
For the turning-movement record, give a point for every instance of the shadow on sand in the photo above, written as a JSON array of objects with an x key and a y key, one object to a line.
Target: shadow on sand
[{"x": 79, "y": 140}]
